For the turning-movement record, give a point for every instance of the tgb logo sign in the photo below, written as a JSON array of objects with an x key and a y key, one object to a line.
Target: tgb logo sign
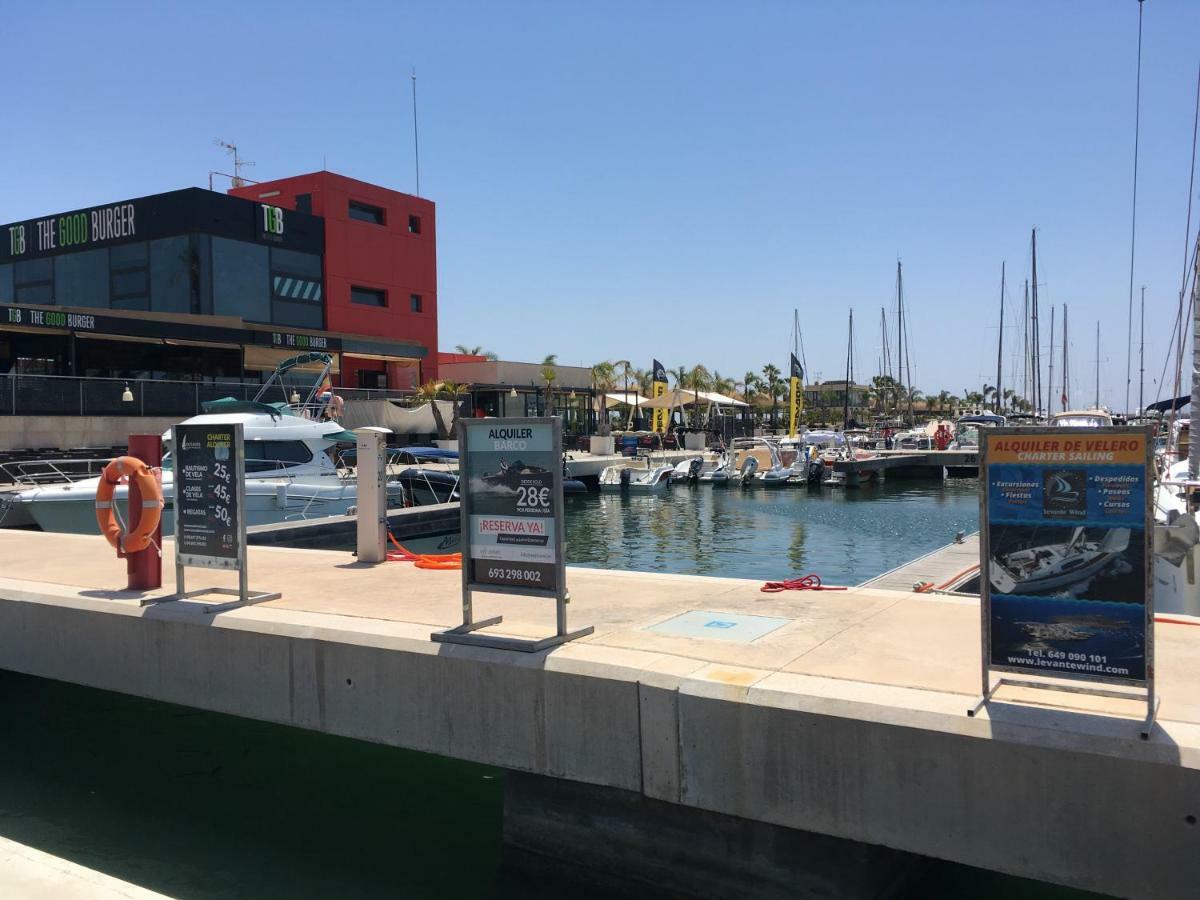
[{"x": 272, "y": 219}]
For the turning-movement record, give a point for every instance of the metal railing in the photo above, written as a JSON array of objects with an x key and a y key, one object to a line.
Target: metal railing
[{"x": 59, "y": 395}]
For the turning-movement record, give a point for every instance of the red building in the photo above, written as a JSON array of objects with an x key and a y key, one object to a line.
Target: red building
[{"x": 380, "y": 264}]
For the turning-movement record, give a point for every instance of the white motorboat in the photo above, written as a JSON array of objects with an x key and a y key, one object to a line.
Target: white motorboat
[
  {"x": 688, "y": 469},
  {"x": 757, "y": 464},
  {"x": 1041, "y": 568},
  {"x": 630, "y": 479},
  {"x": 1081, "y": 418},
  {"x": 291, "y": 461},
  {"x": 721, "y": 473}
]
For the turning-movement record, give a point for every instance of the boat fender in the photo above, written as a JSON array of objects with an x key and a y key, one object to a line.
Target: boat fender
[
  {"x": 143, "y": 476},
  {"x": 281, "y": 496}
]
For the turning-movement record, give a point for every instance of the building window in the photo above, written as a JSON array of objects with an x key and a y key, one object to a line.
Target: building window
[
  {"x": 414, "y": 301},
  {"x": 368, "y": 296},
  {"x": 414, "y": 224},
  {"x": 129, "y": 276},
  {"x": 304, "y": 203},
  {"x": 364, "y": 212},
  {"x": 33, "y": 281}
]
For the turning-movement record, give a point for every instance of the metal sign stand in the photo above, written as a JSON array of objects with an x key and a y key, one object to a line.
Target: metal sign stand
[
  {"x": 182, "y": 560},
  {"x": 989, "y": 687},
  {"x": 466, "y": 633}
]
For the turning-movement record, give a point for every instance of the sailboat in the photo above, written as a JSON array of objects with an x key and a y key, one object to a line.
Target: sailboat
[
  {"x": 1048, "y": 566},
  {"x": 1176, "y": 498}
]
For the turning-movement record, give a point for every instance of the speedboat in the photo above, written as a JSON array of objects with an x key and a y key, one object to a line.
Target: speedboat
[
  {"x": 628, "y": 479},
  {"x": 688, "y": 469},
  {"x": 767, "y": 468},
  {"x": 1041, "y": 568},
  {"x": 721, "y": 473},
  {"x": 292, "y": 466}
]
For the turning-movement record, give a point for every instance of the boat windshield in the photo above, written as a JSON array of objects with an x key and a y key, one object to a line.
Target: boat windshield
[
  {"x": 967, "y": 434},
  {"x": 1080, "y": 421}
]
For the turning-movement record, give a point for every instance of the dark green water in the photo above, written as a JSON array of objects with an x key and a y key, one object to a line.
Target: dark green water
[
  {"x": 199, "y": 805},
  {"x": 845, "y": 535}
]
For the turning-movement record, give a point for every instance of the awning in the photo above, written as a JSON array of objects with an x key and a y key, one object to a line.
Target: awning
[
  {"x": 678, "y": 397},
  {"x": 623, "y": 399}
]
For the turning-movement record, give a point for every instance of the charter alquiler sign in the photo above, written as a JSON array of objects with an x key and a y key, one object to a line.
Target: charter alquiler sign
[
  {"x": 1065, "y": 555},
  {"x": 515, "y": 512}
]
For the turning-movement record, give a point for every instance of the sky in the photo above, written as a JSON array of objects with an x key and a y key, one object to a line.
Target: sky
[{"x": 630, "y": 180}]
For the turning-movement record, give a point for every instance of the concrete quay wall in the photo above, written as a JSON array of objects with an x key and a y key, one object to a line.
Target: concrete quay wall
[{"x": 1088, "y": 806}]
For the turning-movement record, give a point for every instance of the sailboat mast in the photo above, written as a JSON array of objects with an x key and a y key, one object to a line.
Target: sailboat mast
[
  {"x": 1050, "y": 379},
  {"x": 1194, "y": 457},
  {"x": 1142, "y": 357},
  {"x": 1097, "y": 406},
  {"x": 849, "y": 373},
  {"x": 885, "y": 366},
  {"x": 1000, "y": 347},
  {"x": 1025, "y": 348},
  {"x": 1066, "y": 393},
  {"x": 1035, "y": 347},
  {"x": 899, "y": 333}
]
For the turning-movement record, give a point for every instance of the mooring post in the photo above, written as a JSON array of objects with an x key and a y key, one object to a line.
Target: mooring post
[
  {"x": 144, "y": 567},
  {"x": 372, "y": 501}
]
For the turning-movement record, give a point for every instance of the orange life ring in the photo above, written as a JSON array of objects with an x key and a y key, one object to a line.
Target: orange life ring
[{"x": 152, "y": 503}]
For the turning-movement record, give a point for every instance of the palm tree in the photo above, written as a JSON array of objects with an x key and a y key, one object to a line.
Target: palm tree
[
  {"x": 549, "y": 374},
  {"x": 626, "y": 371},
  {"x": 443, "y": 390},
  {"x": 603, "y": 383},
  {"x": 475, "y": 351},
  {"x": 771, "y": 375}
]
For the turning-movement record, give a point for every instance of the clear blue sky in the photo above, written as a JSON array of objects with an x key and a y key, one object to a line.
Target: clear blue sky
[{"x": 636, "y": 180}]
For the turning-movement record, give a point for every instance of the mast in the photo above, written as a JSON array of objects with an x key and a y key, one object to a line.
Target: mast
[
  {"x": 1050, "y": 379},
  {"x": 899, "y": 333},
  {"x": 849, "y": 373},
  {"x": 885, "y": 362},
  {"x": 1097, "y": 406},
  {"x": 1025, "y": 348},
  {"x": 1064, "y": 398},
  {"x": 1000, "y": 346},
  {"x": 1142, "y": 358},
  {"x": 1194, "y": 455},
  {"x": 1034, "y": 346}
]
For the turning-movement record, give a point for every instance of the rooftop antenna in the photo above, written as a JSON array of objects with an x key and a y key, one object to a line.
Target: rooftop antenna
[
  {"x": 416, "y": 141},
  {"x": 238, "y": 162}
]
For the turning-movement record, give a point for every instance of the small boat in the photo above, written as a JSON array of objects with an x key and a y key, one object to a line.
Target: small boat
[
  {"x": 1047, "y": 566},
  {"x": 571, "y": 485},
  {"x": 721, "y": 473},
  {"x": 628, "y": 479},
  {"x": 688, "y": 469}
]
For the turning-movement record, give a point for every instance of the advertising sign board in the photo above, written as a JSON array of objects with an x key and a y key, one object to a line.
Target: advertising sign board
[
  {"x": 208, "y": 482},
  {"x": 510, "y": 477},
  {"x": 1065, "y": 587},
  {"x": 208, "y": 513}
]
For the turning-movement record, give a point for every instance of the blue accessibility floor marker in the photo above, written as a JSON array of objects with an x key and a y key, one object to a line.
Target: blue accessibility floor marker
[{"x": 719, "y": 626}]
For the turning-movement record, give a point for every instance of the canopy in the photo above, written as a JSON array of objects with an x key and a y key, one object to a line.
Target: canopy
[
  {"x": 679, "y": 397},
  {"x": 620, "y": 398},
  {"x": 1168, "y": 405},
  {"x": 359, "y": 413}
]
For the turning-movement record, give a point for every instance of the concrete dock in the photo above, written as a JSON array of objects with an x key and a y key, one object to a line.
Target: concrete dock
[
  {"x": 821, "y": 737},
  {"x": 910, "y": 464},
  {"x": 937, "y": 569}
]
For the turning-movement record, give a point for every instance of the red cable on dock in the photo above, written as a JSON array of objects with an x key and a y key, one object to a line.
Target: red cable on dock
[{"x": 807, "y": 583}]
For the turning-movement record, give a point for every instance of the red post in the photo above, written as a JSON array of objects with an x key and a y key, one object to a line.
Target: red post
[{"x": 145, "y": 566}]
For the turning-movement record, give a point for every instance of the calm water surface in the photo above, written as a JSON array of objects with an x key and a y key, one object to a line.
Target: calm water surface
[{"x": 845, "y": 535}]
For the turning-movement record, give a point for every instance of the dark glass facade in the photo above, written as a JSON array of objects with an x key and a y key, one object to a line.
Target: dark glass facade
[{"x": 204, "y": 253}]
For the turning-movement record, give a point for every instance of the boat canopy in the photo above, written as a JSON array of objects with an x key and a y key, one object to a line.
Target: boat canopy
[
  {"x": 235, "y": 405},
  {"x": 982, "y": 419},
  {"x": 833, "y": 438},
  {"x": 303, "y": 359}
]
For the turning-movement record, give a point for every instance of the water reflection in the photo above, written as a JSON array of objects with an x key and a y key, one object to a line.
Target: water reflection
[{"x": 844, "y": 535}]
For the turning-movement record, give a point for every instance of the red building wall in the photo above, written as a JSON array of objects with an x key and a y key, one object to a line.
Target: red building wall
[{"x": 386, "y": 257}]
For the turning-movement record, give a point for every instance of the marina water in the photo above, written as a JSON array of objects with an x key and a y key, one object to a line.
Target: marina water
[{"x": 844, "y": 535}]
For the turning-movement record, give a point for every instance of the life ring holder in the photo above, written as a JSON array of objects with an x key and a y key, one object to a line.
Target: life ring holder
[{"x": 107, "y": 515}]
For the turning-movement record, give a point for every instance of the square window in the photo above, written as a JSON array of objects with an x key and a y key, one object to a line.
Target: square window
[
  {"x": 414, "y": 301},
  {"x": 414, "y": 224},
  {"x": 368, "y": 296},
  {"x": 364, "y": 212}
]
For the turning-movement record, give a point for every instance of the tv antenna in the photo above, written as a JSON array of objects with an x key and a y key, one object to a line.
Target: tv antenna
[{"x": 238, "y": 162}]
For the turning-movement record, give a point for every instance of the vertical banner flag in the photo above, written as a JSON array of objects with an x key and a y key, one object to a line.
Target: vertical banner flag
[
  {"x": 1066, "y": 553},
  {"x": 796, "y": 401},
  {"x": 658, "y": 387}
]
